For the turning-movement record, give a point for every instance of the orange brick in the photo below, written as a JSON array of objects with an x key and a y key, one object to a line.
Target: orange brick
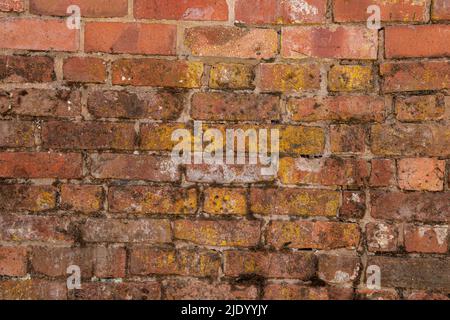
[
  {"x": 77, "y": 69},
  {"x": 421, "y": 174},
  {"x": 426, "y": 239}
]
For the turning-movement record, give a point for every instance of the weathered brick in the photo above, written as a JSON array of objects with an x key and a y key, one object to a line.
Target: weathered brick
[
  {"x": 26, "y": 69},
  {"x": 88, "y": 135},
  {"x": 5, "y": 102},
  {"x": 40, "y": 165},
  {"x": 424, "y": 295},
  {"x": 33, "y": 289},
  {"x": 420, "y": 108},
  {"x": 83, "y": 198},
  {"x": 411, "y": 139},
  {"x": 338, "y": 42},
  {"x": 231, "y": 76},
  {"x": 52, "y": 102},
  {"x": 312, "y": 235},
  {"x": 215, "y": 10},
  {"x": 401, "y": 11},
  {"x": 383, "y": 173},
  {"x": 382, "y": 237},
  {"x": 129, "y": 167},
  {"x": 411, "y": 206},
  {"x": 225, "y": 201},
  {"x": 298, "y": 265},
  {"x": 421, "y": 174},
  {"x": 16, "y": 134},
  {"x": 280, "y": 11},
  {"x": 91, "y": 9},
  {"x": 117, "y": 37},
  {"x": 157, "y": 73},
  {"x": 426, "y": 239},
  {"x": 143, "y": 199},
  {"x": 12, "y": 5},
  {"x": 158, "y": 136},
  {"x": 277, "y": 77},
  {"x": 338, "y": 269},
  {"x": 160, "y": 105},
  {"x": 133, "y": 231},
  {"x": 415, "y": 76},
  {"x": 149, "y": 290},
  {"x": 440, "y": 10},
  {"x": 339, "y": 108},
  {"x": 289, "y": 291},
  {"x": 101, "y": 262},
  {"x": 324, "y": 171},
  {"x": 183, "y": 262},
  {"x": 220, "y": 41},
  {"x": 27, "y": 197},
  {"x": 287, "y": 201},
  {"x": 218, "y": 233},
  {"x": 13, "y": 261},
  {"x": 350, "y": 78},
  {"x": 194, "y": 289},
  {"x": 235, "y": 106},
  {"x": 353, "y": 205},
  {"x": 414, "y": 273},
  {"x": 301, "y": 140},
  {"x": 347, "y": 138},
  {"x": 35, "y": 228},
  {"x": 373, "y": 294},
  {"x": 415, "y": 41},
  {"x": 34, "y": 34},
  {"x": 84, "y": 69}
]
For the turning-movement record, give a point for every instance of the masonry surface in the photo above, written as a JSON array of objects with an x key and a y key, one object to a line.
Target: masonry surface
[{"x": 86, "y": 178}]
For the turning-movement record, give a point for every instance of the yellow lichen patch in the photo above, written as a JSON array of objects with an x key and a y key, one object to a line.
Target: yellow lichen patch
[
  {"x": 292, "y": 78},
  {"x": 158, "y": 202},
  {"x": 192, "y": 76},
  {"x": 45, "y": 200},
  {"x": 225, "y": 201},
  {"x": 158, "y": 137},
  {"x": 231, "y": 75},
  {"x": 302, "y": 140},
  {"x": 350, "y": 78}
]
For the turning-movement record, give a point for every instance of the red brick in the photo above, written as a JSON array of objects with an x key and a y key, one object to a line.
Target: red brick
[
  {"x": 411, "y": 206},
  {"x": 52, "y": 102},
  {"x": 339, "y": 108},
  {"x": 134, "y": 38},
  {"x": 149, "y": 290},
  {"x": 420, "y": 108},
  {"x": 382, "y": 237},
  {"x": 40, "y": 165},
  {"x": 12, "y": 5},
  {"x": 440, "y": 10},
  {"x": 26, "y": 69},
  {"x": 421, "y": 174},
  {"x": 100, "y": 262},
  {"x": 13, "y": 261},
  {"x": 83, "y": 198},
  {"x": 183, "y": 262},
  {"x": 194, "y": 289},
  {"x": 218, "y": 233},
  {"x": 288, "y": 291},
  {"x": 383, "y": 173},
  {"x": 324, "y": 171},
  {"x": 157, "y": 73},
  {"x": 415, "y": 76},
  {"x": 27, "y": 197},
  {"x": 426, "y": 239},
  {"x": 312, "y": 235},
  {"x": 91, "y": 9},
  {"x": 220, "y": 41},
  {"x": 415, "y": 273},
  {"x": 35, "y": 289},
  {"x": 338, "y": 269},
  {"x": 16, "y": 134},
  {"x": 411, "y": 139},
  {"x": 276, "y": 77},
  {"x": 215, "y": 10},
  {"x": 84, "y": 69},
  {"x": 153, "y": 200},
  {"x": 415, "y": 41},
  {"x": 425, "y": 295},
  {"x": 129, "y": 167},
  {"x": 225, "y": 201},
  {"x": 340, "y": 42},
  {"x": 347, "y": 138},
  {"x": 299, "y": 265},
  {"x": 288, "y": 201},
  {"x": 381, "y": 294},
  {"x": 133, "y": 231},
  {"x": 34, "y": 34},
  {"x": 88, "y": 135},
  {"x": 280, "y": 12},
  {"x": 35, "y": 228},
  {"x": 353, "y": 205},
  {"x": 234, "y": 106},
  {"x": 160, "y": 105},
  {"x": 401, "y": 11}
]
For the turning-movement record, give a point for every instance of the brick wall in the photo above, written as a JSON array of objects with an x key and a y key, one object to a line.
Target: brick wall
[{"x": 86, "y": 177}]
